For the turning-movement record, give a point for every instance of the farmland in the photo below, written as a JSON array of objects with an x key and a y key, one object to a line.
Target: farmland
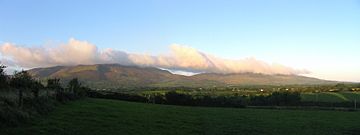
[
  {"x": 102, "y": 116},
  {"x": 331, "y": 96},
  {"x": 30, "y": 107}
]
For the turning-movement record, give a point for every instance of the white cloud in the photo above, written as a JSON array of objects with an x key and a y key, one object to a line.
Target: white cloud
[{"x": 183, "y": 58}]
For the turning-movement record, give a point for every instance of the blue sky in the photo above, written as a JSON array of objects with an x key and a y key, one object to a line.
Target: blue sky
[{"x": 322, "y": 36}]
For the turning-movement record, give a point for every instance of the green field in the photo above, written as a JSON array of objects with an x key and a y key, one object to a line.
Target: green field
[
  {"x": 106, "y": 117},
  {"x": 331, "y": 97}
]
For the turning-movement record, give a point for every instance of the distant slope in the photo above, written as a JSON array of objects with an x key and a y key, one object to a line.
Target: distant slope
[
  {"x": 108, "y": 75},
  {"x": 116, "y": 76},
  {"x": 259, "y": 79}
]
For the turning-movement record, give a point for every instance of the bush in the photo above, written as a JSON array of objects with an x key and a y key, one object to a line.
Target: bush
[
  {"x": 159, "y": 99},
  {"x": 12, "y": 115},
  {"x": 39, "y": 106},
  {"x": 13, "y": 112},
  {"x": 119, "y": 96},
  {"x": 276, "y": 99},
  {"x": 175, "y": 98},
  {"x": 222, "y": 101}
]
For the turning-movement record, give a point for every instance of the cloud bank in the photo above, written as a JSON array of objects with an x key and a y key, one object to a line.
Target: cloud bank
[{"x": 182, "y": 58}]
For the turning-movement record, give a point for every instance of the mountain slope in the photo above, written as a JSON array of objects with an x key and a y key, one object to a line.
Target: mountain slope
[
  {"x": 107, "y": 75},
  {"x": 259, "y": 79},
  {"x": 116, "y": 76}
]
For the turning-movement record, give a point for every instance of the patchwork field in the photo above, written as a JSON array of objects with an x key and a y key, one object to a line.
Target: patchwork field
[{"x": 105, "y": 117}]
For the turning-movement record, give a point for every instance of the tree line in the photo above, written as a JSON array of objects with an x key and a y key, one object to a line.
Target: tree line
[
  {"x": 285, "y": 98},
  {"x": 22, "y": 97}
]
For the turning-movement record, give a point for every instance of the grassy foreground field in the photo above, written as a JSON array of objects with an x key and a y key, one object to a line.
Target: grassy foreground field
[{"x": 106, "y": 117}]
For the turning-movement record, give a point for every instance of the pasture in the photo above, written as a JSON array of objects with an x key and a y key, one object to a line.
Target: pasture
[
  {"x": 104, "y": 117},
  {"x": 331, "y": 96}
]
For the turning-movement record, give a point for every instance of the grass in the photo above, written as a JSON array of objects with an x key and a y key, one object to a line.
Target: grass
[
  {"x": 108, "y": 117},
  {"x": 351, "y": 96},
  {"x": 331, "y": 96}
]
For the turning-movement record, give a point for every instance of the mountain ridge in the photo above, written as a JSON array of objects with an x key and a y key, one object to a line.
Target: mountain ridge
[{"x": 118, "y": 76}]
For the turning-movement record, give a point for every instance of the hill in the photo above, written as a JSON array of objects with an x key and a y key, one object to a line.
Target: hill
[
  {"x": 111, "y": 117},
  {"x": 115, "y": 76},
  {"x": 260, "y": 79}
]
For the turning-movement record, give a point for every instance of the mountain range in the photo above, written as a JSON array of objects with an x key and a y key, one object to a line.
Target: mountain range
[{"x": 120, "y": 76}]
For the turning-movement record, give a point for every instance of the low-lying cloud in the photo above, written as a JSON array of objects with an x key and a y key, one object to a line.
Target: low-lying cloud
[{"x": 182, "y": 58}]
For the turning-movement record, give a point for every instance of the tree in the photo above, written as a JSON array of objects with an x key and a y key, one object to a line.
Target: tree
[
  {"x": 3, "y": 77},
  {"x": 35, "y": 88},
  {"x": 22, "y": 81},
  {"x": 74, "y": 85},
  {"x": 54, "y": 84}
]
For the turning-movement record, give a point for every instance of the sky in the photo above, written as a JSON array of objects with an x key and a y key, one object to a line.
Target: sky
[{"x": 313, "y": 38}]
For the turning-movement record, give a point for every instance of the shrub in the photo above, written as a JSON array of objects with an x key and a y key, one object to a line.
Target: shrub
[
  {"x": 159, "y": 99},
  {"x": 12, "y": 115},
  {"x": 175, "y": 98},
  {"x": 277, "y": 99}
]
